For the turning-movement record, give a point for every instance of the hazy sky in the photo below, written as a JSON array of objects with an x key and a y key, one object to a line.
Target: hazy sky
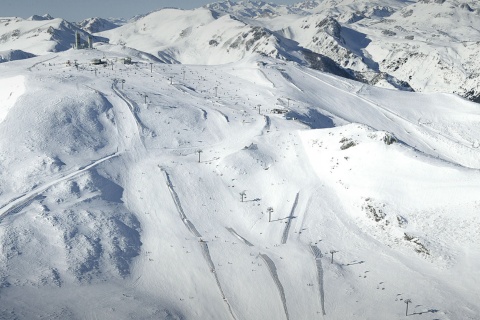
[{"x": 81, "y": 9}]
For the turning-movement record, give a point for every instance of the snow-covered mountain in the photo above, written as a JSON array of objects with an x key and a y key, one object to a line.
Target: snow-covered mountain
[
  {"x": 223, "y": 175},
  {"x": 402, "y": 39},
  {"x": 203, "y": 37},
  {"x": 252, "y": 9},
  {"x": 94, "y": 25},
  {"x": 37, "y": 35},
  {"x": 394, "y": 44}
]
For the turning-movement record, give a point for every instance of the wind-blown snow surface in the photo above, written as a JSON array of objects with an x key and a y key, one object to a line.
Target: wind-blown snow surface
[{"x": 109, "y": 210}]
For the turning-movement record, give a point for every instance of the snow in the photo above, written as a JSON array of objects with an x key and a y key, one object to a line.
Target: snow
[
  {"x": 10, "y": 90},
  {"x": 120, "y": 187}
]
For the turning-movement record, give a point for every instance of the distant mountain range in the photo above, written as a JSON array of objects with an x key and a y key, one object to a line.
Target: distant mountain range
[{"x": 424, "y": 45}]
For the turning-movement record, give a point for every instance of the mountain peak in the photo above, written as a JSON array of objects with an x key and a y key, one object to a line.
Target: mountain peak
[{"x": 40, "y": 18}]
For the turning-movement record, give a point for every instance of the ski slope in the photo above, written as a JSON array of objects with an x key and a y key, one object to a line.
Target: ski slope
[{"x": 120, "y": 193}]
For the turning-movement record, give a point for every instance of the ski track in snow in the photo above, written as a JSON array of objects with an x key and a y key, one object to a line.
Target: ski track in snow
[
  {"x": 17, "y": 204},
  {"x": 134, "y": 109},
  {"x": 204, "y": 114},
  {"x": 232, "y": 231},
  {"x": 318, "y": 263},
  {"x": 223, "y": 114},
  {"x": 289, "y": 222},
  {"x": 203, "y": 244},
  {"x": 273, "y": 272}
]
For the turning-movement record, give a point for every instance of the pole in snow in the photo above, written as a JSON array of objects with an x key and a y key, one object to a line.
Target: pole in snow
[
  {"x": 269, "y": 210},
  {"x": 123, "y": 81},
  {"x": 407, "y": 302},
  {"x": 151, "y": 67},
  {"x": 243, "y": 194},
  {"x": 332, "y": 252},
  {"x": 146, "y": 98},
  {"x": 199, "y": 152}
]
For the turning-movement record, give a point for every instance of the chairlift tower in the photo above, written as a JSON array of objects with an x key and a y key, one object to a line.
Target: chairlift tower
[
  {"x": 90, "y": 42},
  {"x": 78, "y": 44}
]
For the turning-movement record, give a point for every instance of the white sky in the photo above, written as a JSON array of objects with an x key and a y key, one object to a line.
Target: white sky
[{"x": 76, "y": 10}]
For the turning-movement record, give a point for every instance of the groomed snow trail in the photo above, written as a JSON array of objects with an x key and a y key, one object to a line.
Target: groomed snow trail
[
  {"x": 273, "y": 272},
  {"x": 203, "y": 244},
  {"x": 318, "y": 263},
  {"x": 289, "y": 222},
  {"x": 17, "y": 204}
]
